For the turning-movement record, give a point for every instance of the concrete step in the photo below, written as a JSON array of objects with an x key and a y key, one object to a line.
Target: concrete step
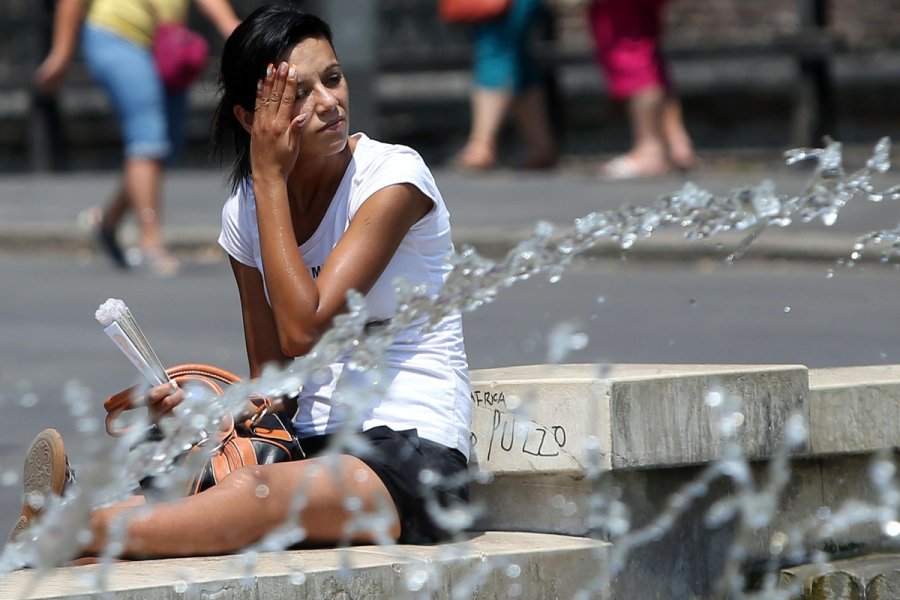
[
  {"x": 487, "y": 565},
  {"x": 873, "y": 577}
]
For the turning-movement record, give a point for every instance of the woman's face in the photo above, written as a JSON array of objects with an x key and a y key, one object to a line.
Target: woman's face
[{"x": 322, "y": 93}]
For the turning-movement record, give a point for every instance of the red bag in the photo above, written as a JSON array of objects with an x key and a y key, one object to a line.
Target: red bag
[
  {"x": 472, "y": 11},
  {"x": 180, "y": 54}
]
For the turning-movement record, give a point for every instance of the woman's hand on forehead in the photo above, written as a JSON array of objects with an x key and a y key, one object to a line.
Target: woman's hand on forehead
[{"x": 274, "y": 137}]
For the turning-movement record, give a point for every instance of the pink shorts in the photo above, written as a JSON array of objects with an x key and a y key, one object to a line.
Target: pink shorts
[{"x": 626, "y": 34}]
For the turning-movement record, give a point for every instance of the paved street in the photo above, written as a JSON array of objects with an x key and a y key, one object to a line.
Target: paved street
[
  {"x": 661, "y": 313},
  {"x": 492, "y": 211}
]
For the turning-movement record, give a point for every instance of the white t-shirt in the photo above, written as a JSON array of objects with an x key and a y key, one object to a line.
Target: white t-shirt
[{"x": 426, "y": 373}]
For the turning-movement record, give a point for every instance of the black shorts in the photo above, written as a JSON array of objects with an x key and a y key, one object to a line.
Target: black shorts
[{"x": 398, "y": 458}]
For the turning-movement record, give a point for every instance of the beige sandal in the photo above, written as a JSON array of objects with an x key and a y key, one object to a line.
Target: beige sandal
[
  {"x": 46, "y": 472},
  {"x": 624, "y": 167},
  {"x": 155, "y": 261}
]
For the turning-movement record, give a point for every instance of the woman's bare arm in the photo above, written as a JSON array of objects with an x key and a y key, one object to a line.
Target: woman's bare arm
[
  {"x": 260, "y": 334},
  {"x": 220, "y": 13},
  {"x": 66, "y": 25}
]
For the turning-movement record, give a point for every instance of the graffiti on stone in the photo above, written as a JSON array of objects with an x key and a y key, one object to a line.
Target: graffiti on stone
[{"x": 511, "y": 434}]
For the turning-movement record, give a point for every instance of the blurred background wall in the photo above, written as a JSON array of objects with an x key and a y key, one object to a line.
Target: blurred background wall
[{"x": 752, "y": 74}]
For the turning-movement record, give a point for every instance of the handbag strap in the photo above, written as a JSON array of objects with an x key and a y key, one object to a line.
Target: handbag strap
[{"x": 212, "y": 376}]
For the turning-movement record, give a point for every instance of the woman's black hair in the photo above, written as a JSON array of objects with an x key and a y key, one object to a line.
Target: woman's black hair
[{"x": 256, "y": 43}]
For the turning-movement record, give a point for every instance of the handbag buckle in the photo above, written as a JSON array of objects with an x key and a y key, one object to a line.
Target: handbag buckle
[{"x": 262, "y": 412}]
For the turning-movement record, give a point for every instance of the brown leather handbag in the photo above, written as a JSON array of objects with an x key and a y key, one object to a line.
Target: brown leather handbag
[{"x": 262, "y": 436}]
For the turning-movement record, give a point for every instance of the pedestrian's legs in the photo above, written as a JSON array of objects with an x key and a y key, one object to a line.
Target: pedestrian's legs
[
  {"x": 645, "y": 112},
  {"x": 530, "y": 111},
  {"x": 678, "y": 141},
  {"x": 116, "y": 209},
  {"x": 252, "y": 502},
  {"x": 128, "y": 75},
  {"x": 503, "y": 70},
  {"x": 138, "y": 191},
  {"x": 627, "y": 38},
  {"x": 142, "y": 181},
  {"x": 489, "y": 108}
]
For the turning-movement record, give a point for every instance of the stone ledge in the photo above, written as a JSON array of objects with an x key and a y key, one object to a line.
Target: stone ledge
[
  {"x": 655, "y": 430},
  {"x": 492, "y": 564},
  {"x": 854, "y": 409},
  {"x": 537, "y": 420}
]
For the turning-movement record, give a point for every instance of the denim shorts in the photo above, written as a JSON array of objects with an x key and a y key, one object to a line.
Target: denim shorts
[{"x": 150, "y": 118}]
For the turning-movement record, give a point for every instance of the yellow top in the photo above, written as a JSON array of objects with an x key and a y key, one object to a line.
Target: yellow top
[{"x": 135, "y": 20}]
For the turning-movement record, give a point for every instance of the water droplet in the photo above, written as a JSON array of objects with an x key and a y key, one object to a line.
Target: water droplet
[
  {"x": 428, "y": 477},
  {"x": 35, "y": 500},
  {"x": 321, "y": 376},
  {"x": 513, "y": 571},
  {"x": 823, "y": 513},
  {"x": 892, "y": 529},
  {"x": 714, "y": 398},
  {"x": 601, "y": 299},
  {"x": 579, "y": 341},
  {"x": 298, "y": 578},
  {"x": 778, "y": 542},
  {"x": 9, "y": 478},
  {"x": 29, "y": 400},
  {"x": 483, "y": 477},
  {"x": 180, "y": 587},
  {"x": 416, "y": 580},
  {"x": 262, "y": 491},
  {"x": 787, "y": 309},
  {"x": 829, "y": 273},
  {"x": 882, "y": 472}
]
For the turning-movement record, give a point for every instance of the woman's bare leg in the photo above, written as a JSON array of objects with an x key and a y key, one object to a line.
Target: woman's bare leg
[
  {"x": 681, "y": 149},
  {"x": 115, "y": 209},
  {"x": 143, "y": 186},
  {"x": 645, "y": 112},
  {"x": 530, "y": 111},
  {"x": 489, "y": 108},
  {"x": 250, "y": 503},
  {"x": 141, "y": 192},
  {"x": 647, "y": 156}
]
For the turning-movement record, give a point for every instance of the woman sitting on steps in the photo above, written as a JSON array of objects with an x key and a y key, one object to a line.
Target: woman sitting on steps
[{"x": 315, "y": 212}]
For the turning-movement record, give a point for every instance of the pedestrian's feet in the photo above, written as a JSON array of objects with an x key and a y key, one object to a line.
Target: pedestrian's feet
[
  {"x": 106, "y": 239},
  {"x": 475, "y": 157},
  {"x": 683, "y": 157},
  {"x": 626, "y": 167},
  {"x": 46, "y": 473},
  {"x": 540, "y": 161},
  {"x": 154, "y": 261}
]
